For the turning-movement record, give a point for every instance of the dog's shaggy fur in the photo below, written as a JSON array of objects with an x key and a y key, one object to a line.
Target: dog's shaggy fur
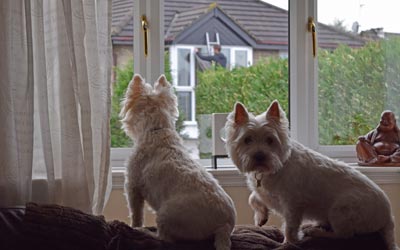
[
  {"x": 189, "y": 203},
  {"x": 301, "y": 184}
]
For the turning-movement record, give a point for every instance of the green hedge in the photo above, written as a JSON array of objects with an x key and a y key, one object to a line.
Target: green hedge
[
  {"x": 256, "y": 87},
  {"x": 123, "y": 77},
  {"x": 355, "y": 86}
]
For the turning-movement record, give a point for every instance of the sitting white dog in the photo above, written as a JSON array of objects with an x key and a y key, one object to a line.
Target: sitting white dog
[
  {"x": 189, "y": 203},
  {"x": 301, "y": 184}
]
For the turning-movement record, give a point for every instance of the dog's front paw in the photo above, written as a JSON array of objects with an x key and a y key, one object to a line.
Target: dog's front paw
[
  {"x": 291, "y": 240},
  {"x": 308, "y": 231},
  {"x": 292, "y": 237},
  {"x": 317, "y": 230},
  {"x": 136, "y": 223},
  {"x": 260, "y": 219}
]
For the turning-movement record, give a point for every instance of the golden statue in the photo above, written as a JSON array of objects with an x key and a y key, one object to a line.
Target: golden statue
[{"x": 381, "y": 146}]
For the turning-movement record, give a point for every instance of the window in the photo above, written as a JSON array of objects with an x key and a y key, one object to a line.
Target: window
[
  {"x": 241, "y": 58},
  {"x": 227, "y": 53},
  {"x": 185, "y": 103},
  {"x": 184, "y": 81},
  {"x": 304, "y": 91},
  {"x": 238, "y": 45},
  {"x": 183, "y": 66},
  {"x": 357, "y": 82},
  {"x": 238, "y": 56},
  {"x": 313, "y": 107},
  {"x": 341, "y": 93},
  {"x": 183, "y": 70}
]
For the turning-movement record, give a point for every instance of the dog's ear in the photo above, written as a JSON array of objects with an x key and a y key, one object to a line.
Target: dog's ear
[
  {"x": 135, "y": 89},
  {"x": 136, "y": 86},
  {"x": 273, "y": 110},
  {"x": 241, "y": 114},
  {"x": 162, "y": 83}
]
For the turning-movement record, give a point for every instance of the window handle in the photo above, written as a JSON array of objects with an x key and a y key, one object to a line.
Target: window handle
[
  {"x": 312, "y": 29},
  {"x": 145, "y": 28}
]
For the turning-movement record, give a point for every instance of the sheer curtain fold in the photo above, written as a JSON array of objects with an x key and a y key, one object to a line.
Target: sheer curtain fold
[{"x": 55, "y": 99}]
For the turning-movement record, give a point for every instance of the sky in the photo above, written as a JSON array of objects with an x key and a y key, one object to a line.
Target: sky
[{"x": 368, "y": 13}]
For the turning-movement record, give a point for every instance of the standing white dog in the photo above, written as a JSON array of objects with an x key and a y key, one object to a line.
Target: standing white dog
[
  {"x": 301, "y": 184},
  {"x": 189, "y": 203}
]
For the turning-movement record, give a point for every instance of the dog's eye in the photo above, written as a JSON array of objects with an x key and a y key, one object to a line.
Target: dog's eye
[
  {"x": 248, "y": 140},
  {"x": 269, "y": 140}
]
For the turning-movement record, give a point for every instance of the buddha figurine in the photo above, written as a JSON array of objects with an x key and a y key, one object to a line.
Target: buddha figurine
[{"x": 381, "y": 146}]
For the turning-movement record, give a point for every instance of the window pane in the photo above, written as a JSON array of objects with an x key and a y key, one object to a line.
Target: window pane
[
  {"x": 358, "y": 68},
  {"x": 227, "y": 53},
  {"x": 240, "y": 58},
  {"x": 259, "y": 35},
  {"x": 183, "y": 67},
  {"x": 260, "y": 74},
  {"x": 185, "y": 104}
]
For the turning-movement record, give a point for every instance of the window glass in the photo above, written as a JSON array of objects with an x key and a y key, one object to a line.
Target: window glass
[
  {"x": 227, "y": 53},
  {"x": 358, "y": 67},
  {"x": 183, "y": 67},
  {"x": 185, "y": 104},
  {"x": 241, "y": 58},
  {"x": 203, "y": 89}
]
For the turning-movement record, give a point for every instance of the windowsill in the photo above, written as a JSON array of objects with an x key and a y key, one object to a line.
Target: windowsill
[{"x": 229, "y": 176}]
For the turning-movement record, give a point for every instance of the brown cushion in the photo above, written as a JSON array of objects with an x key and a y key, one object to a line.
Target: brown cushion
[
  {"x": 54, "y": 227},
  {"x": 58, "y": 227}
]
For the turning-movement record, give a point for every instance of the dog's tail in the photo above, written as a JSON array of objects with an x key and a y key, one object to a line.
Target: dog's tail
[
  {"x": 388, "y": 236},
  {"x": 222, "y": 237}
]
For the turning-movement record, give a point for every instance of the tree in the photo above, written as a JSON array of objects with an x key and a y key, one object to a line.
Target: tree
[{"x": 338, "y": 24}]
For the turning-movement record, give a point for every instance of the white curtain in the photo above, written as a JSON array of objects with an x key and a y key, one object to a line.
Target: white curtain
[{"x": 55, "y": 71}]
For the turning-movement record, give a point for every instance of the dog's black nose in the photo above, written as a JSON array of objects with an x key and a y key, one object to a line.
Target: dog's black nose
[{"x": 259, "y": 156}]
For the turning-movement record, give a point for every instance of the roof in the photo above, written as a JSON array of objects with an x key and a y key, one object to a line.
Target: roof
[
  {"x": 182, "y": 20},
  {"x": 377, "y": 34},
  {"x": 259, "y": 24}
]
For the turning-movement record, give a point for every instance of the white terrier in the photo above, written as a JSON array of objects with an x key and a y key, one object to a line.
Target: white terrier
[
  {"x": 189, "y": 202},
  {"x": 301, "y": 184}
]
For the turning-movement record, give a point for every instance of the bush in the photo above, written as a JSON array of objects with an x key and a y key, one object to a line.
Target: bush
[
  {"x": 350, "y": 92},
  {"x": 124, "y": 75},
  {"x": 256, "y": 87},
  {"x": 356, "y": 85}
]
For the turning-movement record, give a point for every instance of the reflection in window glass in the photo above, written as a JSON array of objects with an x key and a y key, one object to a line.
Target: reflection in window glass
[
  {"x": 185, "y": 104},
  {"x": 183, "y": 67},
  {"x": 358, "y": 76}
]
